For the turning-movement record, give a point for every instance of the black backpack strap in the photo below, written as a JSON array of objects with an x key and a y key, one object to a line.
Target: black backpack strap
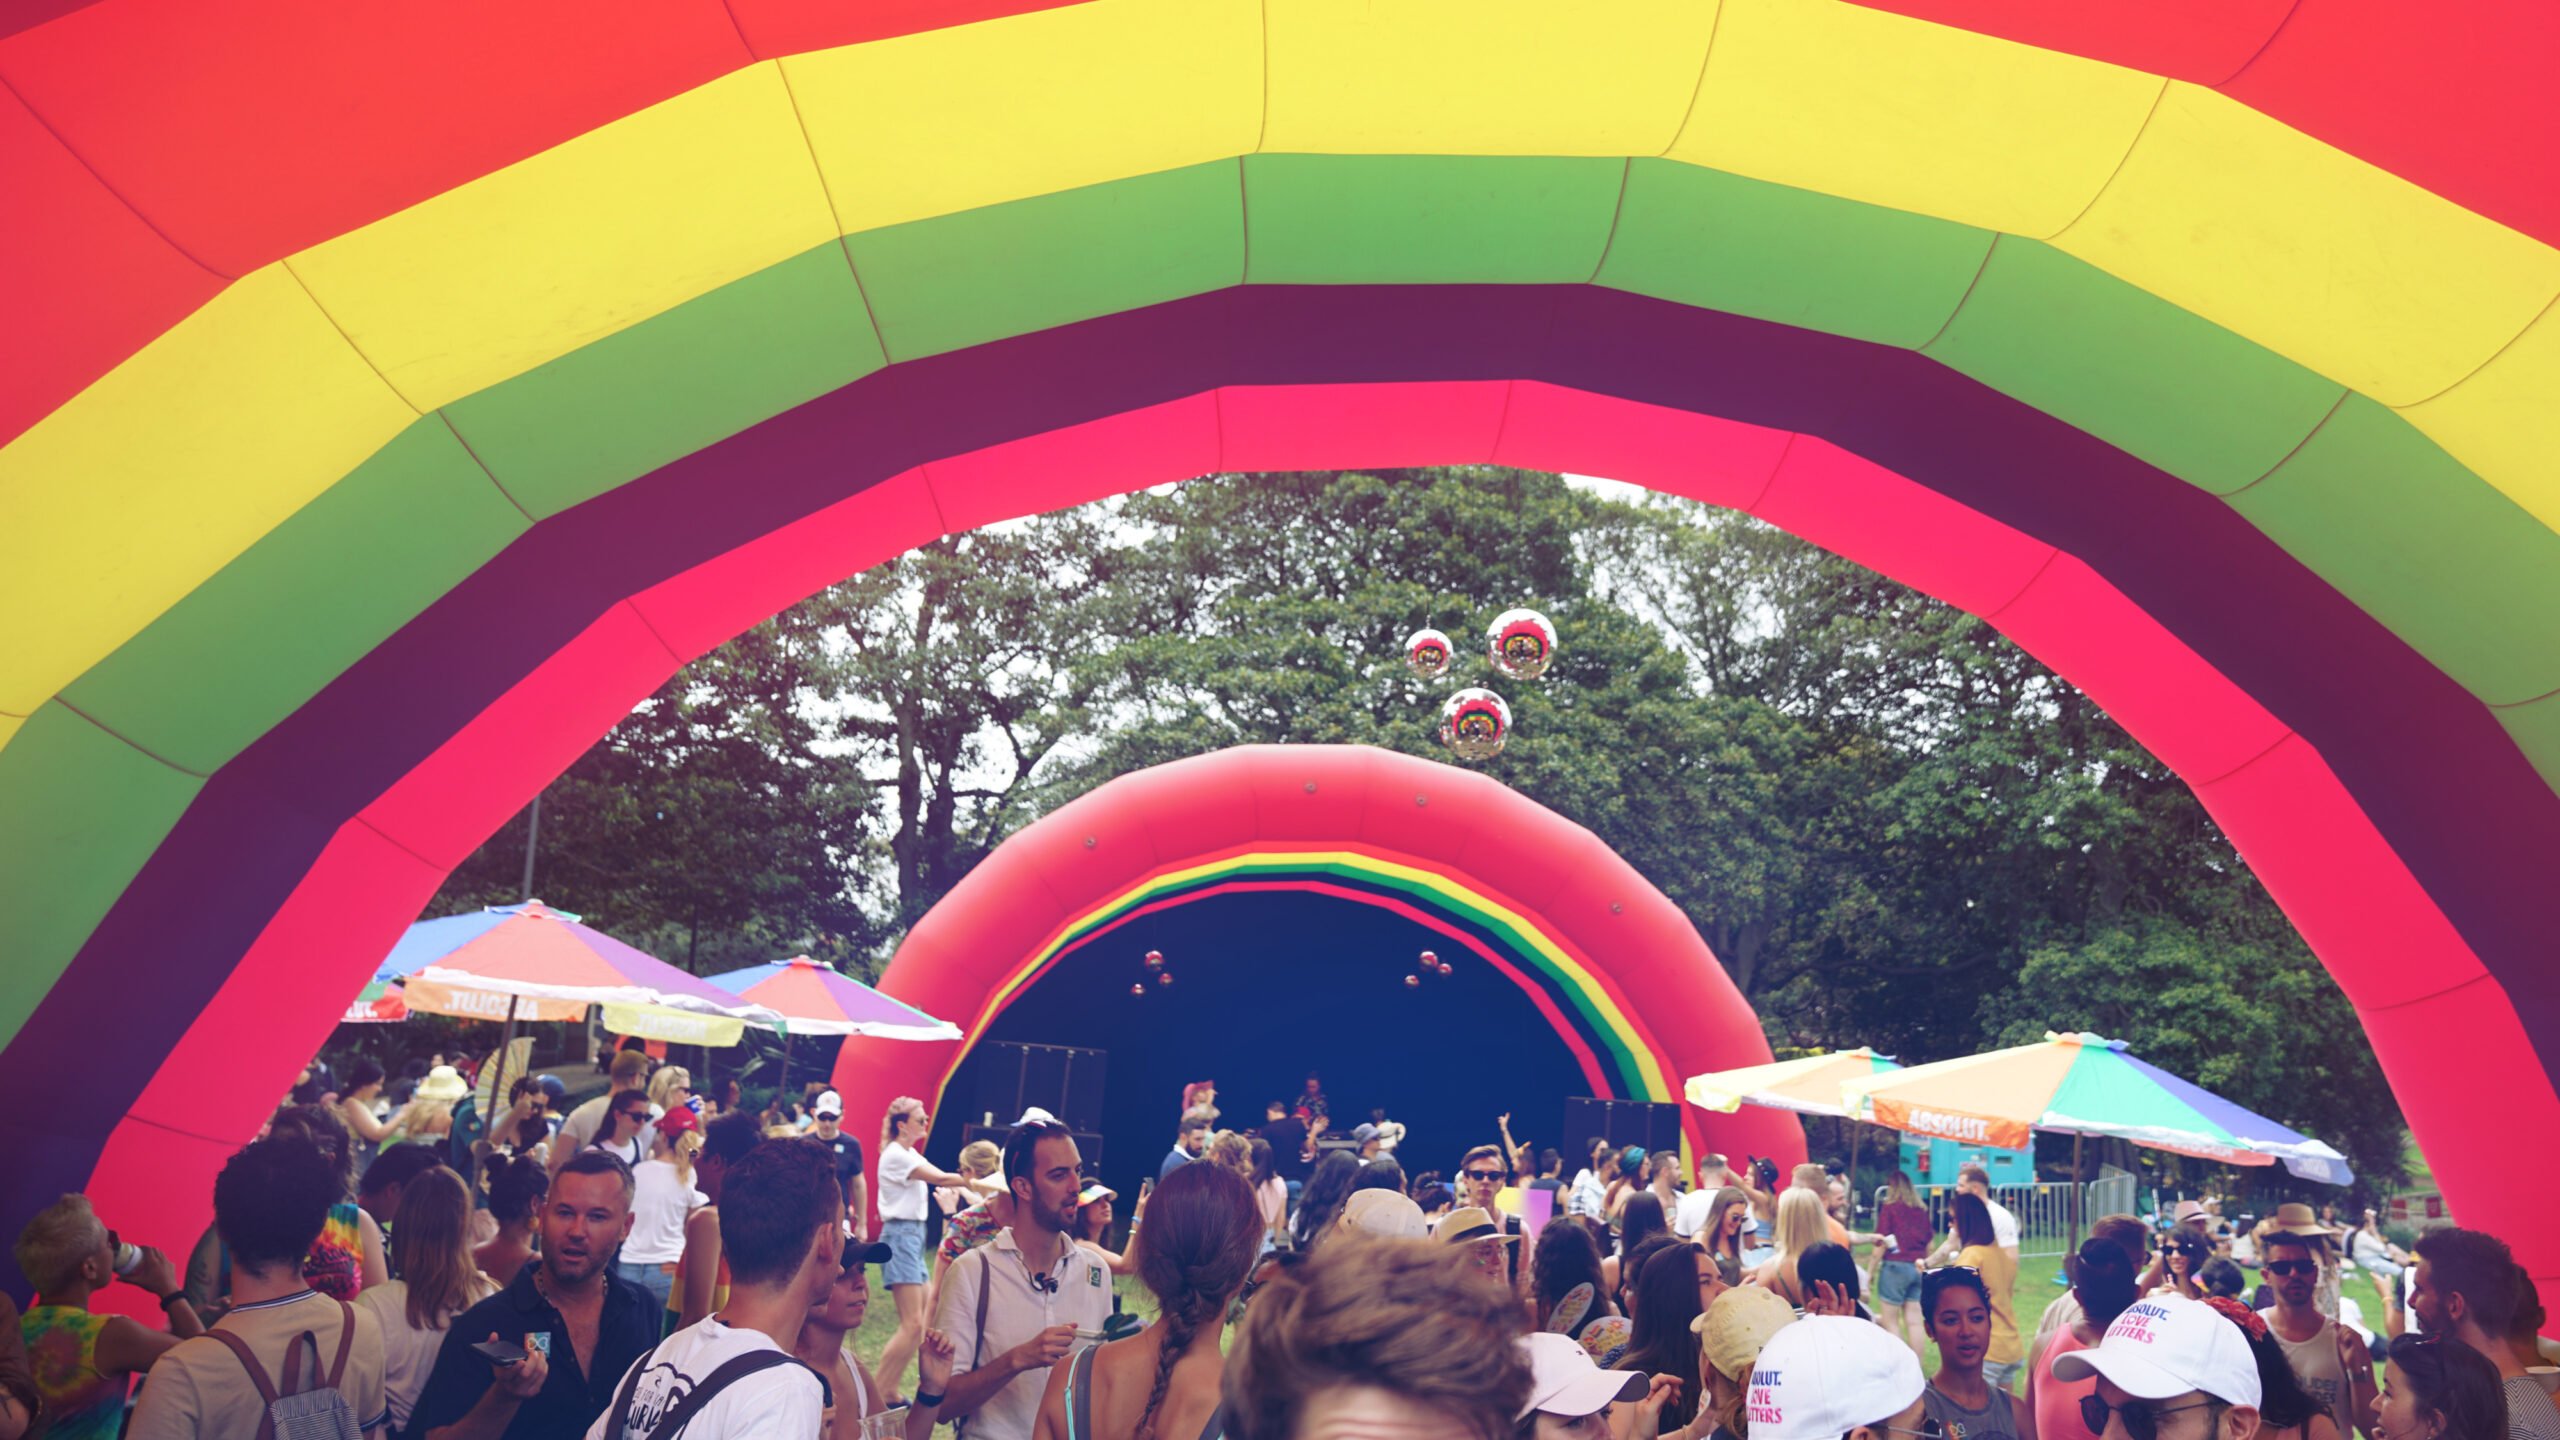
[
  {"x": 622, "y": 1393},
  {"x": 737, "y": 1368}
]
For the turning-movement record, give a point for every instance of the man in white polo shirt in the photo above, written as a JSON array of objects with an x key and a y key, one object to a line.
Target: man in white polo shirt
[{"x": 1014, "y": 1305}]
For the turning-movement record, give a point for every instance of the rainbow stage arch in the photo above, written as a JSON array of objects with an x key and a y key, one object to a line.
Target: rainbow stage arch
[
  {"x": 1603, "y": 957},
  {"x": 392, "y": 398}
]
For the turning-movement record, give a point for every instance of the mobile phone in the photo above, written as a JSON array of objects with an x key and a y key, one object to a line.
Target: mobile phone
[{"x": 499, "y": 1352}]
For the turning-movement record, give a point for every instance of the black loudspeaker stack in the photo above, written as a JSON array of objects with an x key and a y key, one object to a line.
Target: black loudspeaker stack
[
  {"x": 1011, "y": 1078},
  {"x": 1621, "y": 1122}
]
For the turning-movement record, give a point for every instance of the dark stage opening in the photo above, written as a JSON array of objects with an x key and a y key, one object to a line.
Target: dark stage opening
[{"x": 1268, "y": 986}]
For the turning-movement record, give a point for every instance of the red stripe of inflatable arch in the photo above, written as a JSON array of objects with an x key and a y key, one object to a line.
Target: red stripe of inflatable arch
[
  {"x": 2410, "y": 975},
  {"x": 301, "y": 119}
]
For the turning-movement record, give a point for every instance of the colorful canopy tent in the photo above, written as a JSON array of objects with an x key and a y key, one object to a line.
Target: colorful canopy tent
[
  {"x": 429, "y": 941},
  {"x": 2081, "y": 1084},
  {"x": 1808, "y": 1084},
  {"x": 810, "y": 998},
  {"x": 1506, "y": 883},
  {"x": 390, "y": 404}
]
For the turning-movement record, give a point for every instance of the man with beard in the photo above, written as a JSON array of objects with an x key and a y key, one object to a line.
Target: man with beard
[
  {"x": 1014, "y": 1305},
  {"x": 579, "y": 1325},
  {"x": 2333, "y": 1365},
  {"x": 2465, "y": 1290}
]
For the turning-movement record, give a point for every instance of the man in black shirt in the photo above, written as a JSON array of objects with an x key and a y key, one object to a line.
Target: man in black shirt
[
  {"x": 848, "y": 1152},
  {"x": 581, "y": 1326},
  {"x": 1288, "y": 1137}
]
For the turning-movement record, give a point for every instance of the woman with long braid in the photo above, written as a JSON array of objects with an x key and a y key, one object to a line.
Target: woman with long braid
[{"x": 1202, "y": 1239}]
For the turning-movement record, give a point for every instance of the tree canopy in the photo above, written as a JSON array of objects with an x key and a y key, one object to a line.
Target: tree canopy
[{"x": 1893, "y": 826}]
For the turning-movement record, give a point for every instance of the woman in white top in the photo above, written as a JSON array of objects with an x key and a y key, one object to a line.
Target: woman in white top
[
  {"x": 662, "y": 1196},
  {"x": 904, "y": 1174},
  {"x": 437, "y": 1282},
  {"x": 620, "y": 1133}
]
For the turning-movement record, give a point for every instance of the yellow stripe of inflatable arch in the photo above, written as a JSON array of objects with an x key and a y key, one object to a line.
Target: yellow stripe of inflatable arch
[{"x": 132, "y": 493}]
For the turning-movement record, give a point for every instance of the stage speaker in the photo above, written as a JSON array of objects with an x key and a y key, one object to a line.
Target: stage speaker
[
  {"x": 1061, "y": 1079},
  {"x": 1088, "y": 1148},
  {"x": 1620, "y": 1122}
]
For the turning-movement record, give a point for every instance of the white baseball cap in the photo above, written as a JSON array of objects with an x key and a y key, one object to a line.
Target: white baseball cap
[
  {"x": 1826, "y": 1375},
  {"x": 2166, "y": 1346},
  {"x": 1384, "y": 1212},
  {"x": 1564, "y": 1381},
  {"x": 829, "y": 1103}
]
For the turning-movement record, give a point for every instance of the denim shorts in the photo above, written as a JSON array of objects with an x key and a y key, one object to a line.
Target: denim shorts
[
  {"x": 1897, "y": 1283},
  {"x": 905, "y": 1265}
]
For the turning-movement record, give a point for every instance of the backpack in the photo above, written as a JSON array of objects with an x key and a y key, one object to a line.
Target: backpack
[
  {"x": 731, "y": 1371},
  {"x": 318, "y": 1413}
]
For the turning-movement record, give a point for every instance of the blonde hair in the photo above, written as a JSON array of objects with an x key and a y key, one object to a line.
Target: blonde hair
[
  {"x": 628, "y": 1067},
  {"x": 52, "y": 1247},
  {"x": 903, "y": 1105},
  {"x": 979, "y": 1158},
  {"x": 664, "y": 1083},
  {"x": 1807, "y": 1176},
  {"x": 1802, "y": 1224},
  {"x": 1900, "y": 1190},
  {"x": 1231, "y": 1150}
]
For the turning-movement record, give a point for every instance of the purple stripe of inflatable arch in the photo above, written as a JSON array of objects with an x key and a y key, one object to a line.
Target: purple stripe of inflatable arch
[{"x": 2440, "y": 779}]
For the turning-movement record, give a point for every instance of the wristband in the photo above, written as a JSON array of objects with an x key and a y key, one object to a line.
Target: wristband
[
  {"x": 925, "y": 1402},
  {"x": 172, "y": 1295}
]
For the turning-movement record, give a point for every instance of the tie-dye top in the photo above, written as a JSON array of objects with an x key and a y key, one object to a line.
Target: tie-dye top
[
  {"x": 335, "y": 1266},
  {"x": 62, "y": 1349}
]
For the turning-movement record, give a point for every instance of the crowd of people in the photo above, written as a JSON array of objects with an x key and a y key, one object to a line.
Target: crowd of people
[{"x": 655, "y": 1263}]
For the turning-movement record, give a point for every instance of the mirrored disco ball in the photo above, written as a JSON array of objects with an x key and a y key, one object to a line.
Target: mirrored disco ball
[
  {"x": 1137, "y": 989},
  {"x": 1414, "y": 980},
  {"x": 1428, "y": 653},
  {"x": 1155, "y": 959},
  {"x": 1520, "y": 643},
  {"x": 1474, "y": 724},
  {"x": 1164, "y": 977}
]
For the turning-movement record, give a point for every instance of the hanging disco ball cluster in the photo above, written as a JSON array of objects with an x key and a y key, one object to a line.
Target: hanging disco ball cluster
[
  {"x": 1431, "y": 965},
  {"x": 1475, "y": 722},
  {"x": 1155, "y": 966}
]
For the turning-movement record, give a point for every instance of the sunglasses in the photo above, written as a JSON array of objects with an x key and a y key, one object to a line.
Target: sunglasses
[
  {"x": 1486, "y": 1175},
  {"x": 1930, "y": 1429},
  {"x": 636, "y": 1117},
  {"x": 2293, "y": 1267},
  {"x": 2141, "y": 1417}
]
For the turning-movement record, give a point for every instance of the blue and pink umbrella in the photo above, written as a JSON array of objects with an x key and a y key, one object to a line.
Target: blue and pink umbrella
[{"x": 815, "y": 999}]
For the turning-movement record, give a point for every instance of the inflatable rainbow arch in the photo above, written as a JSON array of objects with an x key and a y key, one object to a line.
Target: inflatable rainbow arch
[{"x": 394, "y": 395}]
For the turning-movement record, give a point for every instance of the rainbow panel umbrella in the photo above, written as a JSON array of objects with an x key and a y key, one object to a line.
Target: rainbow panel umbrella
[
  {"x": 2081, "y": 1084},
  {"x": 379, "y": 1003},
  {"x": 535, "y": 952},
  {"x": 813, "y": 998},
  {"x": 1808, "y": 1085}
]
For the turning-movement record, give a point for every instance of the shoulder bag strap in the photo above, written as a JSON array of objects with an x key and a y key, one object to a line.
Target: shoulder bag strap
[
  {"x": 735, "y": 1369},
  {"x": 257, "y": 1377},
  {"x": 346, "y": 1342},
  {"x": 1080, "y": 1396},
  {"x": 986, "y": 1283}
]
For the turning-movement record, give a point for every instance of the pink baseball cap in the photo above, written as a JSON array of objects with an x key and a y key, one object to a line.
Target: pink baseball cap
[{"x": 2164, "y": 1347}]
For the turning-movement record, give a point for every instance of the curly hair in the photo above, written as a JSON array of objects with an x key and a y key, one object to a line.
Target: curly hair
[
  {"x": 1199, "y": 1252},
  {"x": 319, "y": 1127},
  {"x": 1414, "y": 1319}
]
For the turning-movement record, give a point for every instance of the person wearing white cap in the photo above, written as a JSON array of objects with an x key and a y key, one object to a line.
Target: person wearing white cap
[
  {"x": 2169, "y": 1368},
  {"x": 1569, "y": 1397},
  {"x": 829, "y": 1131},
  {"x": 1829, "y": 1377}
]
